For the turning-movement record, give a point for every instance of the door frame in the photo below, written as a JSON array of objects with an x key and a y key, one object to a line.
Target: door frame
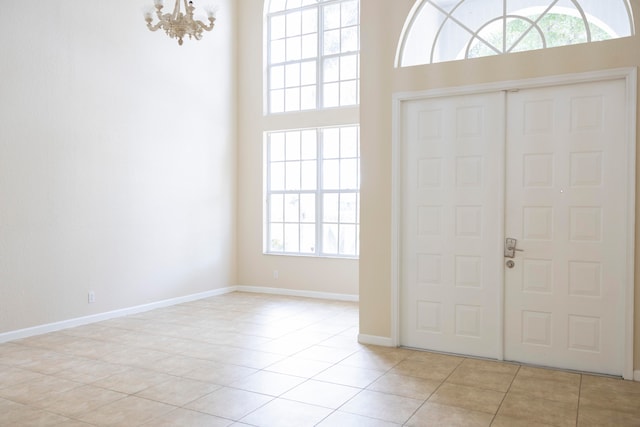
[{"x": 629, "y": 75}]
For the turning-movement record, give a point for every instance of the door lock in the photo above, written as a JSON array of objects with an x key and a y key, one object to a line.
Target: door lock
[
  {"x": 510, "y": 247},
  {"x": 510, "y": 263}
]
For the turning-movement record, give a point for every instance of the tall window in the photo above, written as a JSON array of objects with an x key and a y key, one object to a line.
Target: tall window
[
  {"x": 446, "y": 30},
  {"x": 313, "y": 200},
  {"x": 312, "y": 171},
  {"x": 312, "y": 54}
]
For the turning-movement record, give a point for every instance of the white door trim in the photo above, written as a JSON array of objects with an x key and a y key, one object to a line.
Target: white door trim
[{"x": 630, "y": 77}]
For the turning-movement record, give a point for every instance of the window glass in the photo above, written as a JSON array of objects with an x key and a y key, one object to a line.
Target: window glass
[{"x": 445, "y": 30}]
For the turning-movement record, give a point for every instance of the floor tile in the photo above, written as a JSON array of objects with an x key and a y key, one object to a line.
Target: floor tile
[
  {"x": 286, "y": 413},
  {"x": 270, "y": 383},
  {"x": 484, "y": 374},
  {"x": 299, "y": 367},
  {"x": 416, "y": 388},
  {"x": 229, "y": 403},
  {"x": 345, "y": 419},
  {"x": 349, "y": 375},
  {"x": 438, "y": 371},
  {"x": 433, "y": 414},
  {"x": 129, "y": 411},
  {"x": 320, "y": 393},
  {"x": 186, "y": 418},
  {"x": 472, "y": 398},
  {"x": 382, "y": 406},
  {"x": 524, "y": 406},
  {"x": 598, "y": 417},
  {"x": 178, "y": 391},
  {"x": 78, "y": 400},
  {"x": 132, "y": 380}
]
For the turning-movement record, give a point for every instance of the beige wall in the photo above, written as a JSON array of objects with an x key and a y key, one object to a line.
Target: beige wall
[
  {"x": 298, "y": 274},
  {"x": 117, "y": 160},
  {"x": 382, "y": 22}
]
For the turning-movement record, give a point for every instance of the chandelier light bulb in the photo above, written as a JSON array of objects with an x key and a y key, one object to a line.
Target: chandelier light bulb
[{"x": 177, "y": 25}]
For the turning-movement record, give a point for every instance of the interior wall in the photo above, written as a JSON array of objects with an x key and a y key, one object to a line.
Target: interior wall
[
  {"x": 295, "y": 273},
  {"x": 117, "y": 160},
  {"x": 381, "y": 25}
]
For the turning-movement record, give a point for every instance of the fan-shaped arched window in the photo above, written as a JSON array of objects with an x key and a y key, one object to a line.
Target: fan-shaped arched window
[{"x": 447, "y": 30}]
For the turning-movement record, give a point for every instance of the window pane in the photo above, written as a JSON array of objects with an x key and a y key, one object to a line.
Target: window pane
[
  {"x": 293, "y": 146},
  {"x": 347, "y": 239},
  {"x": 331, "y": 207},
  {"x": 331, "y": 174},
  {"x": 294, "y": 49},
  {"x": 276, "y": 234},
  {"x": 332, "y": 16},
  {"x": 277, "y": 5},
  {"x": 349, "y": 174},
  {"x": 276, "y": 101},
  {"x": 330, "y": 238},
  {"x": 349, "y": 67},
  {"x": 276, "y": 208},
  {"x": 348, "y": 93},
  {"x": 308, "y": 98},
  {"x": 309, "y": 175},
  {"x": 277, "y": 77},
  {"x": 308, "y": 208},
  {"x": 348, "y": 208},
  {"x": 331, "y": 70},
  {"x": 292, "y": 208},
  {"x": 308, "y": 144},
  {"x": 310, "y": 21},
  {"x": 349, "y": 39},
  {"x": 331, "y": 42},
  {"x": 307, "y": 238},
  {"x": 349, "y": 13},
  {"x": 277, "y": 27},
  {"x": 292, "y": 99},
  {"x": 292, "y": 176},
  {"x": 277, "y": 176},
  {"x": 331, "y": 95},
  {"x": 276, "y": 147},
  {"x": 291, "y": 238},
  {"x": 293, "y": 75},
  {"x": 309, "y": 46},
  {"x": 278, "y": 51},
  {"x": 331, "y": 143},
  {"x": 308, "y": 73},
  {"x": 349, "y": 142},
  {"x": 294, "y": 24}
]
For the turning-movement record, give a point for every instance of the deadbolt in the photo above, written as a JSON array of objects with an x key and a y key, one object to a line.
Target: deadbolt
[{"x": 510, "y": 264}]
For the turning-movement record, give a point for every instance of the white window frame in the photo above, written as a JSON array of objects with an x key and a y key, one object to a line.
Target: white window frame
[
  {"x": 320, "y": 59},
  {"x": 319, "y": 192},
  {"x": 421, "y": 43}
]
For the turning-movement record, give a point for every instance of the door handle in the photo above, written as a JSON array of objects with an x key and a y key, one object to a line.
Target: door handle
[{"x": 510, "y": 247}]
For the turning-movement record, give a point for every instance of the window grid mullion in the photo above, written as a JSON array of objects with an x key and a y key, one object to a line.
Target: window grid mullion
[{"x": 320, "y": 194}]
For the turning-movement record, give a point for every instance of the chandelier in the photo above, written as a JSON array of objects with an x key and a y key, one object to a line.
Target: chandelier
[{"x": 178, "y": 24}]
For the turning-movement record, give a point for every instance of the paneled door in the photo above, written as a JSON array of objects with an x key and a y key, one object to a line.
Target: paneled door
[
  {"x": 544, "y": 172},
  {"x": 566, "y": 204},
  {"x": 452, "y": 172}
]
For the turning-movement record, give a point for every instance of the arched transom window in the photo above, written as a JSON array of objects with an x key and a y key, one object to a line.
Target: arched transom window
[{"x": 447, "y": 30}]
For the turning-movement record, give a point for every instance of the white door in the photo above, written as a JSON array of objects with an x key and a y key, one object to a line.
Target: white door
[
  {"x": 452, "y": 172},
  {"x": 566, "y": 205},
  {"x": 547, "y": 167}
]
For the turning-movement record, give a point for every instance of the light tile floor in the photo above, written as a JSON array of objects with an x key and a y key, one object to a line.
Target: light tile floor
[{"x": 259, "y": 360}]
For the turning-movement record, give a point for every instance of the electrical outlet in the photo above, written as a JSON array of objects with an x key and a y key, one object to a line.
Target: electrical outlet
[{"x": 91, "y": 297}]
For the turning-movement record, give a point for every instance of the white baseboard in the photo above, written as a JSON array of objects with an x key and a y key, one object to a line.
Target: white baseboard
[
  {"x": 72, "y": 323},
  {"x": 298, "y": 293},
  {"x": 375, "y": 340}
]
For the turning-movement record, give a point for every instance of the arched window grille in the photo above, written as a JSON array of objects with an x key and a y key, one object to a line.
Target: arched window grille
[{"x": 447, "y": 30}]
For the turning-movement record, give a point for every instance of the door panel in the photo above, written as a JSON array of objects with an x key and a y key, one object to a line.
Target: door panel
[
  {"x": 452, "y": 174},
  {"x": 566, "y": 192}
]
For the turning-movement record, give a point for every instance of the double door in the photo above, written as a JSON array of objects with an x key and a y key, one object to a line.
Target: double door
[{"x": 514, "y": 228}]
